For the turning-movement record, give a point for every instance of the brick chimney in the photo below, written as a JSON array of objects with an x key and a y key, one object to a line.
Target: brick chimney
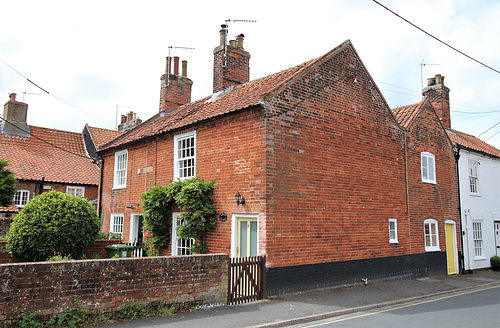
[
  {"x": 231, "y": 62},
  {"x": 16, "y": 113},
  {"x": 175, "y": 89},
  {"x": 129, "y": 121},
  {"x": 439, "y": 96}
]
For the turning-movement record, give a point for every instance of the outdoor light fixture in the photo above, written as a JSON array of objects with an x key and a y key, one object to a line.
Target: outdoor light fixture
[
  {"x": 239, "y": 199},
  {"x": 132, "y": 205}
]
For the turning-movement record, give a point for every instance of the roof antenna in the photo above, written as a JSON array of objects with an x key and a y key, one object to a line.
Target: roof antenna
[
  {"x": 422, "y": 64},
  {"x": 168, "y": 66},
  {"x": 229, "y": 20}
]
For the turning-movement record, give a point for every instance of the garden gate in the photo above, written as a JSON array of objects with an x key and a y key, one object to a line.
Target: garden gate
[{"x": 246, "y": 279}]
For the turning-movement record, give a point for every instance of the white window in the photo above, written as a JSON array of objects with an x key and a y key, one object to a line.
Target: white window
[
  {"x": 393, "y": 230},
  {"x": 185, "y": 155},
  {"x": 120, "y": 177},
  {"x": 76, "y": 191},
  {"x": 179, "y": 246},
  {"x": 477, "y": 232},
  {"x": 428, "y": 168},
  {"x": 473, "y": 178},
  {"x": 21, "y": 197},
  {"x": 116, "y": 224},
  {"x": 431, "y": 236}
]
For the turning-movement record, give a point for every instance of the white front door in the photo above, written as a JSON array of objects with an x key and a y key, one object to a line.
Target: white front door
[{"x": 136, "y": 228}]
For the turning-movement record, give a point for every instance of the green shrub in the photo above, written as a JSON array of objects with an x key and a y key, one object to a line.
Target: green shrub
[
  {"x": 58, "y": 258},
  {"x": 495, "y": 262},
  {"x": 53, "y": 223}
]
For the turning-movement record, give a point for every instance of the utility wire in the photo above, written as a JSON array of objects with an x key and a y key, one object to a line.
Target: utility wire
[
  {"x": 47, "y": 142},
  {"x": 489, "y": 129},
  {"x": 435, "y": 38},
  {"x": 60, "y": 99},
  {"x": 492, "y": 136}
]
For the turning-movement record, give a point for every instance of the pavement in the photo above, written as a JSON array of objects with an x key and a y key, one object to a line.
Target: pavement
[{"x": 320, "y": 304}]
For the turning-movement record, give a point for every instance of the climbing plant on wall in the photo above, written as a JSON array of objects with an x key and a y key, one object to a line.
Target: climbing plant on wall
[{"x": 194, "y": 197}]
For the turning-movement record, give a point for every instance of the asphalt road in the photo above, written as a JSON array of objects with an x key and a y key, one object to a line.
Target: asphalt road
[{"x": 471, "y": 308}]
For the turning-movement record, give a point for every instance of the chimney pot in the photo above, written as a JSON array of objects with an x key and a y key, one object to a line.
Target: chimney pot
[
  {"x": 168, "y": 68},
  {"x": 223, "y": 34},
  {"x": 239, "y": 41},
  {"x": 12, "y": 96},
  {"x": 176, "y": 65},
  {"x": 130, "y": 116},
  {"x": 431, "y": 81},
  {"x": 232, "y": 43},
  {"x": 123, "y": 119},
  {"x": 184, "y": 68}
]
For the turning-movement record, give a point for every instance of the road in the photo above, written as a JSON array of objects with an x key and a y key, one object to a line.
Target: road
[{"x": 471, "y": 308}]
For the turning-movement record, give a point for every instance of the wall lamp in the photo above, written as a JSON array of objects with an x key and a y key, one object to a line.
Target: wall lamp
[
  {"x": 132, "y": 205},
  {"x": 240, "y": 200}
]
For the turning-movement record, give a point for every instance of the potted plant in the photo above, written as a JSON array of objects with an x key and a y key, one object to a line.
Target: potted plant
[{"x": 495, "y": 263}]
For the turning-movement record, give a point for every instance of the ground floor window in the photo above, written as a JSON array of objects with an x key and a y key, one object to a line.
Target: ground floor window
[
  {"x": 21, "y": 197},
  {"x": 477, "y": 232},
  {"x": 431, "y": 235},
  {"x": 393, "y": 230},
  {"x": 179, "y": 246},
  {"x": 75, "y": 191},
  {"x": 116, "y": 224}
]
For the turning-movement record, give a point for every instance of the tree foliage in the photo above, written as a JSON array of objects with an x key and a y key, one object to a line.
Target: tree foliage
[
  {"x": 194, "y": 197},
  {"x": 53, "y": 223},
  {"x": 7, "y": 184}
]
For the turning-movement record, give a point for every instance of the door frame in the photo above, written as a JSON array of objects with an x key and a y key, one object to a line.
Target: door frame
[
  {"x": 234, "y": 230},
  {"x": 134, "y": 226},
  {"x": 496, "y": 236},
  {"x": 455, "y": 248}
]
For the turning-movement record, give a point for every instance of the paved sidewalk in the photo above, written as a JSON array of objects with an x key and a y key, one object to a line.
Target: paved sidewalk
[{"x": 319, "y": 304}]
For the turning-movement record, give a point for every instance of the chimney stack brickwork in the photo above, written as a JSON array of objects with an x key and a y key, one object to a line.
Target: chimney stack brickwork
[
  {"x": 439, "y": 96},
  {"x": 129, "y": 121},
  {"x": 175, "y": 89},
  {"x": 15, "y": 112},
  {"x": 231, "y": 62}
]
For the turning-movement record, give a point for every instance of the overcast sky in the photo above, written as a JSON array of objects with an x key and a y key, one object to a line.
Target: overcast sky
[{"x": 97, "y": 57}]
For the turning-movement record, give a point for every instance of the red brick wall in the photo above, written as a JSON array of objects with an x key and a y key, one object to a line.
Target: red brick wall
[
  {"x": 230, "y": 151},
  {"x": 234, "y": 71},
  {"x": 335, "y": 169},
  {"x": 107, "y": 285},
  {"x": 426, "y": 200}
]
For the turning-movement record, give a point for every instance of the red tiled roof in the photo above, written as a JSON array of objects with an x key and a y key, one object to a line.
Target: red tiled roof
[
  {"x": 241, "y": 97},
  {"x": 10, "y": 209},
  {"x": 32, "y": 159},
  {"x": 405, "y": 114},
  {"x": 102, "y": 136},
  {"x": 472, "y": 143}
]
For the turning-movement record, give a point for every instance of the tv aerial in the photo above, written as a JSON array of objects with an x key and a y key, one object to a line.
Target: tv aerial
[{"x": 422, "y": 64}]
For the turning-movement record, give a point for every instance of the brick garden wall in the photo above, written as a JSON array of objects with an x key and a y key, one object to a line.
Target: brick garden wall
[{"x": 107, "y": 285}]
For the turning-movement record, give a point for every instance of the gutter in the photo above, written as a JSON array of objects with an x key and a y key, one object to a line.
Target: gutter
[{"x": 456, "y": 151}]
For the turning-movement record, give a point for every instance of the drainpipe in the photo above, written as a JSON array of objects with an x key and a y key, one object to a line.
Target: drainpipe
[
  {"x": 456, "y": 150},
  {"x": 99, "y": 197}
]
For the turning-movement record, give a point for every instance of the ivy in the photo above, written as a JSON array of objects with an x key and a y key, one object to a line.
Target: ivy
[{"x": 194, "y": 197}]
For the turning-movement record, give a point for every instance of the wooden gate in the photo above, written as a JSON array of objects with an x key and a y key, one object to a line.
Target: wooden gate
[{"x": 246, "y": 279}]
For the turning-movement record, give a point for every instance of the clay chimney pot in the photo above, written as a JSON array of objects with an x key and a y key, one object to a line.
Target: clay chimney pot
[
  {"x": 176, "y": 65},
  {"x": 12, "y": 96}
]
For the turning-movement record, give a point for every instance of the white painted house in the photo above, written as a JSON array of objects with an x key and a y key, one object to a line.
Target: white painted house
[{"x": 479, "y": 180}]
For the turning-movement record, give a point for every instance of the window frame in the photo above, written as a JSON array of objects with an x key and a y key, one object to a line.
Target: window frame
[
  {"x": 175, "y": 239},
  {"x": 424, "y": 158},
  {"x": 21, "y": 192},
  {"x": 472, "y": 177},
  {"x": 395, "y": 230},
  {"x": 431, "y": 247},
  {"x": 117, "y": 183},
  {"x": 82, "y": 189},
  {"x": 178, "y": 160},
  {"x": 112, "y": 223},
  {"x": 478, "y": 239}
]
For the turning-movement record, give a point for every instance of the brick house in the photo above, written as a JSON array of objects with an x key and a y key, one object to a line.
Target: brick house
[
  {"x": 44, "y": 159},
  {"x": 478, "y": 165},
  {"x": 332, "y": 179}
]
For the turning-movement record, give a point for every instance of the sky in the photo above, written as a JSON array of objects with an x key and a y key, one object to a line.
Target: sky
[{"x": 92, "y": 61}]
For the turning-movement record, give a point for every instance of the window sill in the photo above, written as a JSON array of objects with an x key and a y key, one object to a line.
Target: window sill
[
  {"x": 480, "y": 258},
  {"x": 433, "y": 250},
  {"x": 122, "y": 187},
  {"x": 393, "y": 242},
  {"x": 475, "y": 195},
  {"x": 430, "y": 182}
]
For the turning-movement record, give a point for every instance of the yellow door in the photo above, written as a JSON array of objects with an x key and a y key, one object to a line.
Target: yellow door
[{"x": 450, "y": 248}]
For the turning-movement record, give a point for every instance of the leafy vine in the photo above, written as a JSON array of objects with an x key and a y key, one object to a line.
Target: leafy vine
[{"x": 195, "y": 198}]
